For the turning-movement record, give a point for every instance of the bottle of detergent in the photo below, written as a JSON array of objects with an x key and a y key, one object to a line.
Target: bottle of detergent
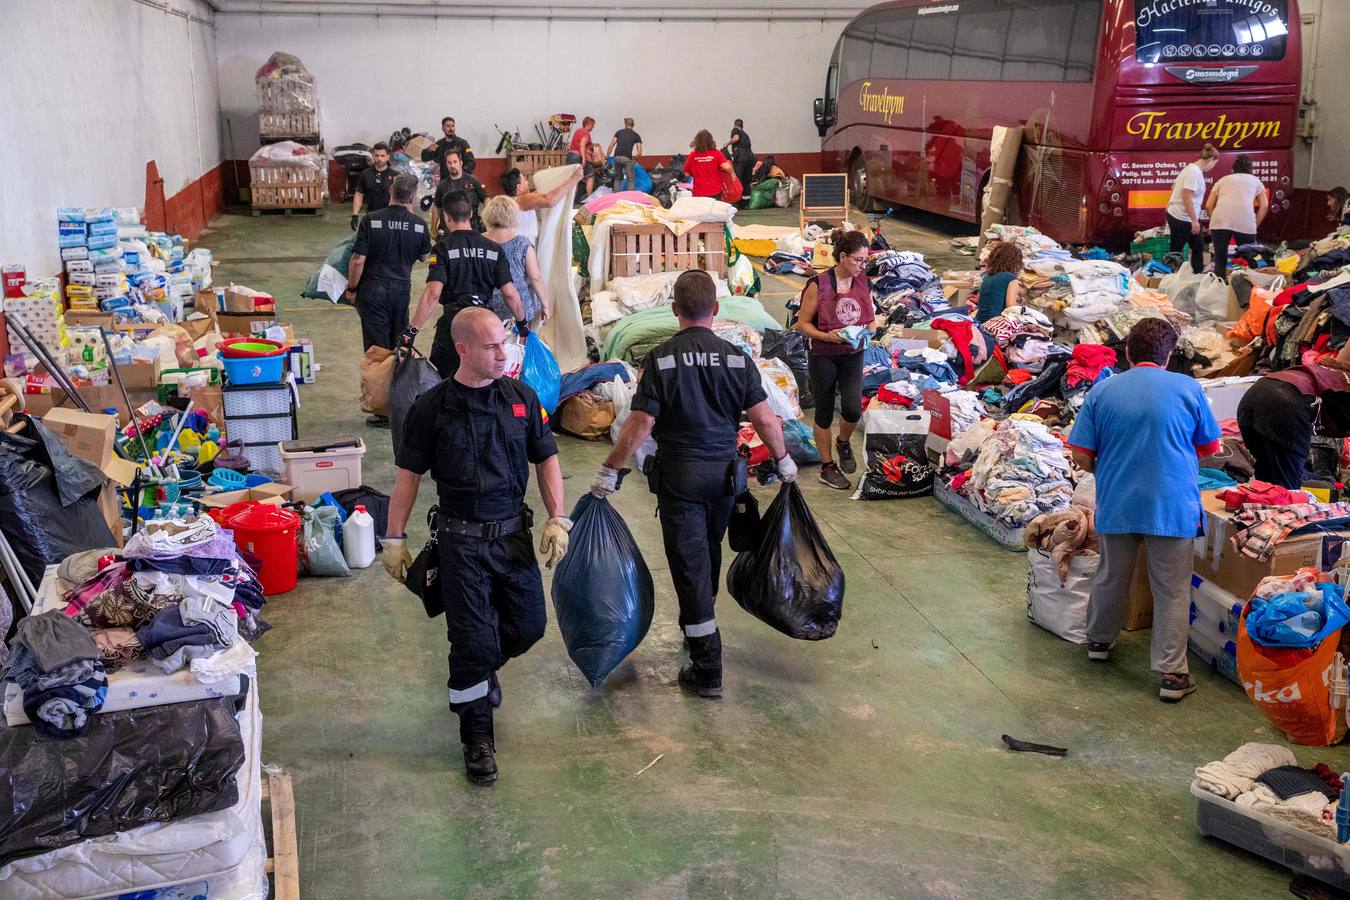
[{"x": 358, "y": 538}]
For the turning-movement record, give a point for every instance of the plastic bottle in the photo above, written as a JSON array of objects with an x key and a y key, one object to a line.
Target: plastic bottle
[{"x": 358, "y": 538}]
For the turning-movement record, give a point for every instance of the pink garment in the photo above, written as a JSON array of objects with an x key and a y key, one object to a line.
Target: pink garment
[
  {"x": 1087, "y": 363},
  {"x": 605, "y": 201}
]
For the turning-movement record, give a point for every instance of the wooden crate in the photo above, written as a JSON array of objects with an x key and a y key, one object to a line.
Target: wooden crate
[
  {"x": 286, "y": 187},
  {"x": 293, "y": 125},
  {"x": 640, "y": 249},
  {"x": 288, "y": 94},
  {"x": 531, "y": 161}
]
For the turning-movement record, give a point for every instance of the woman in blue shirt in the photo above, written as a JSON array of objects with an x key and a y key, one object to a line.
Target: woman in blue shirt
[{"x": 1000, "y": 288}]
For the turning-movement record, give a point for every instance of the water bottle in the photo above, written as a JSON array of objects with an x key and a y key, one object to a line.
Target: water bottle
[{"x": 358, "y": 538}]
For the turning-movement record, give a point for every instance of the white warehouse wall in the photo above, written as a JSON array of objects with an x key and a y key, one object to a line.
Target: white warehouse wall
[
  {"x": 1325, "y": 162},
  {"x": 378, "y": 73},
  {"x": 93, "y": 90}
]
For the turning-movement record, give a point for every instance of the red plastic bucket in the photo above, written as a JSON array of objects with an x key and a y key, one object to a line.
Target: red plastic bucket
[{"x": 269, "y": 533}]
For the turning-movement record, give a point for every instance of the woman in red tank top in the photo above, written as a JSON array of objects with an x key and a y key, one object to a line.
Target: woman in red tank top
[{"x": 833, "y": 300}]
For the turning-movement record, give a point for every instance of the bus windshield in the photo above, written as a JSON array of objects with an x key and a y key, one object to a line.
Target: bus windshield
[{"x": 1211, "y": 30}]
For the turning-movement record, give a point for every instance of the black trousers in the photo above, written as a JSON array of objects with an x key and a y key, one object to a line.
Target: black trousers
[
  {"x": 1182, "y": 235},
  {"x": 743, "y": 166},
  {"x": 383, "y": 308},
  {"x": 1221, "y": 237},
  {"x": 831, "y": 374},
  {"x": 1277, "y": 422},
  {"x": 694, "y": 502},
  {"x": 494, "y": 611},
  {"x": 444, "y": 356}
]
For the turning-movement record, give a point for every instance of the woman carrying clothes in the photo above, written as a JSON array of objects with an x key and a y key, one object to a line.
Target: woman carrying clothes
[
  {"x": 1237, "y": 206},
  {"x": 705, "y": 164},
  {"x": 1183, "y": 208},
  {"x": 835, "y": 299},
  {"x": 501, "y": 216}
]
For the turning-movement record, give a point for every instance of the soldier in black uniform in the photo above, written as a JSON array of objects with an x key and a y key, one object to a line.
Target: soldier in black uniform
[
  {"x": 692, "y": 392},
  {"x": 451, "y": 141},
  {"x": 379, "y": 276},
  {"x": 459, "y": 180},
  {"x": 373, "y": 184},
  {"x": 465, "y": 267},
  {"x": 478, "y": 433}
]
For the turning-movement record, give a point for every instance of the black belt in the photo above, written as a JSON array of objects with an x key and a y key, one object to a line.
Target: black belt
[{"x": 486, "y": 530}]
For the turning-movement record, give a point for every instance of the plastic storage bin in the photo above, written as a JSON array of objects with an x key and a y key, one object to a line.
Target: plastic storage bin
[
  {"x": 318, "y": 467},
  {"x": 1290, "y": 846},
  {"x": 1218, "y": 652},
  {"x": 254, "y": 370},
  {"x": 267, "y": 532},
  {"x": 1211, "y": 602}
]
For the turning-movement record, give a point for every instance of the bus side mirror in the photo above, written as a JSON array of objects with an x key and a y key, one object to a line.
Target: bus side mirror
[{"x": 820, "y": 112}]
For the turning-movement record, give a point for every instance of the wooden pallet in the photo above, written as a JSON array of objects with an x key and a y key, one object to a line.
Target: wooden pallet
[
  {"x": 288, "y": 210},
  {"x": 531, "y": 161},
  {"x": 284, "y": 863},
  {"x": 640, "y": 249}
]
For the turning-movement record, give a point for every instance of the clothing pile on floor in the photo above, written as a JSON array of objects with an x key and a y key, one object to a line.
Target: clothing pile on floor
[
  {"x": 1266, "y": 778},
  {"x": 1019, "y": 470},
  {"x": 904, "y": 288}
]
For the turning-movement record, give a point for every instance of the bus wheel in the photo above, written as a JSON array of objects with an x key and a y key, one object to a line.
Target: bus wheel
[{"x": 857, "y": 184}]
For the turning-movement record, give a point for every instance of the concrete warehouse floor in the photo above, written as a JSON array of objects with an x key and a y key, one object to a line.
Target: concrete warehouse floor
[{"x": 868, "y": 765}]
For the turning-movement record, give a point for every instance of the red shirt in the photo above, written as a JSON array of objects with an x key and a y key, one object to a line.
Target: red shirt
[
  {"x": 580, "y": 140},
  {"x": 706, "y": 169}
]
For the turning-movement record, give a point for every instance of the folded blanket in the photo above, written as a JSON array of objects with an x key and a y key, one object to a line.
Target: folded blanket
[{"x": 1236, "y": 773}]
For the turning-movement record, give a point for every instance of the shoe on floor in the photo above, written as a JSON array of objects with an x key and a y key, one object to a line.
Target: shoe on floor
[
  {"x": 1174, "y": 687},
  {"x": 847, "y": 463},
  {"x": 1100, "y": 652},
  {"x": 691, "y": 681},
  {"x": 479, "y": 763},
  {"x": 378, "y": 421},
  {"x": 830, "y": 476}
]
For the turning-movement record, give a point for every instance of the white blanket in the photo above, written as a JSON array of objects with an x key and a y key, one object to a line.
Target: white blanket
[{"x": 563, "y": 332}]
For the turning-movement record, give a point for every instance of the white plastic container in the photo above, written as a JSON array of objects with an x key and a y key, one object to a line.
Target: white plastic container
[
  {"x": 358, "y": 538},
  {"x": 316, "y": 467}
]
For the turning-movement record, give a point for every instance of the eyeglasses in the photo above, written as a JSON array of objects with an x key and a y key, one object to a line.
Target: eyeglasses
[{"x": 860, "y": 260}]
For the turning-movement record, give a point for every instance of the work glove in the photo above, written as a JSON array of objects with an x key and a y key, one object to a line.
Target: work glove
[
  {"x": 523, "y": 327},
  {"x": 787, "y": 468},
  {"x": 395, "y": 557},
  {"x": 356, "y": 220},
  {"x": 554, "y": 542},
  {"x": 606, "y": 482}
]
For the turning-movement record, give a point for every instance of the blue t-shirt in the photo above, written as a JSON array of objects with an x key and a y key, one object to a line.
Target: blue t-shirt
[
  {"x": 1144, "y": 426},
  {"x": 993, "y": 295}
]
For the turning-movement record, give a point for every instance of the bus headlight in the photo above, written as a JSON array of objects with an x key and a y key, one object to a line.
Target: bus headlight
[
  {"x": 1118, "y": 212},
  {"x": 1115, "y": 198},
  {"x": 1103, "y": 209},
  {"x": 1279, "y": 195},
  {"x": 1284, "y": 204},
  {"x": 1110, "y": 184}
]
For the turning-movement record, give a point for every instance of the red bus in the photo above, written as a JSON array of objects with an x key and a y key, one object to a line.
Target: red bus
[{"x": 1114, "y": 96}]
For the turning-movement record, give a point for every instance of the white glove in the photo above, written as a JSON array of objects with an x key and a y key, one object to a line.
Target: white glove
[
  {"x": 787, "y": 468},
  {"x": 606, "y": 482},
  {"x": 554, "y": 542},
  {"x": 395, "y": 557}
]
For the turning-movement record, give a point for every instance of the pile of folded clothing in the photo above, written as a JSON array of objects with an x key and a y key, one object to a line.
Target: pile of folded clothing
[
  {"x": 1020, "y": 472},
  {"x": 1266, "y": 778},
  {"x": 904, "y": 287},
  {"x": 57, "y": 665}
]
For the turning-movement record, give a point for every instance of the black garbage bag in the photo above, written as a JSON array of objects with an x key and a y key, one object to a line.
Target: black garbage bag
[
  {"x": 792, "y": 580},
  {"x": 789, "y": 346},
  {"x": 602, "y": 590},
  {"x": 48, "y": 499},
  {"x": 413, "y": 374},
  {"x": 130, "y": 768}
]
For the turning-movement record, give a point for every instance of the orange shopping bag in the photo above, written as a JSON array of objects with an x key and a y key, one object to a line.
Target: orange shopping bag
[{"x": 1292, "y": 687}]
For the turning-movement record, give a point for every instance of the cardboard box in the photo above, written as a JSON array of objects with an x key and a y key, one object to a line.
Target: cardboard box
[
  {"x": 197, "y": 326},
  {"x": 274, "y": 494},
  {"x": 89, "y": 436},
  {"x": 110, "y": 504},
  {"x": 245, "y": 323},
  {"x": 919, "y": 338},
  {"x": 940, "y": 422},
  {"x": 1218, "y": 561},
  {"x": 1151, "y": 282},
  {"x": 242, "y": 300},
  {"x": 1139, "y": 601}
]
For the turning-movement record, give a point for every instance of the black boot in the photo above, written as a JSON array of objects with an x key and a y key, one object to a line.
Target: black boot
[
  {"x": 475, "y": 731},
  {"x": 703, "y": 675}
]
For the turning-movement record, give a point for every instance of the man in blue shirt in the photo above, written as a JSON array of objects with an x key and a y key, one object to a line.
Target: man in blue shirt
[{"x": 1143, "y": 433}]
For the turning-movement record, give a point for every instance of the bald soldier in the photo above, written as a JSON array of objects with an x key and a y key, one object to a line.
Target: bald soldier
[{"x": 478, "y": 433}]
